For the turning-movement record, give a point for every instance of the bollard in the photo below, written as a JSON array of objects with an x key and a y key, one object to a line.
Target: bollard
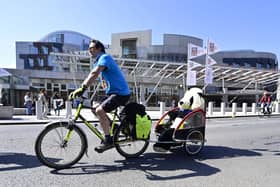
[
  {"x": 162, "y": 108},
  {"x": 277, "y": 107},
  {"x": 210, "y": 108},
  {"x": 234, "y": 106},
  {"x": 244, "y": 108},
  {"x": 254, "y": 108},
  {"x": 223, "y": 106},
  {"x": 68, "y": 105},
  {"x": 39, "y": 107}
]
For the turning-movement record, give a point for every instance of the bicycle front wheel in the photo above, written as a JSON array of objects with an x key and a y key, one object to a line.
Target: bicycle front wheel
[
  {"x": 127, "y": 146},
  {"x": 54, "y": 149}
]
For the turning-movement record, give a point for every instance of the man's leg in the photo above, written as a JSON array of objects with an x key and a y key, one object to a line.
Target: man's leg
[
  {"x": 109, "y": 104},
  {"x": 103, "y": 118},
  {"x": 105, "y": 124}
]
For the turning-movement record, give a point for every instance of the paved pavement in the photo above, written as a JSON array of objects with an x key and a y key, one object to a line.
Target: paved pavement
[
  {"x": 239, "y": 152},
  {"x": 155, "y": 115}
]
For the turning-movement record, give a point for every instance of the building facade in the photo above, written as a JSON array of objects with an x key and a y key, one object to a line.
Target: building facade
[
  {"x": 36, "y": 64},
  {"x": 37, "y": 69},
  {"x": 36, "y": 55}
]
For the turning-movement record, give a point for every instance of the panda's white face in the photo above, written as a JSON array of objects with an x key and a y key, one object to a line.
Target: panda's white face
[
  {"x": 185, "y": 103},
  {"x": 191, "y": 100}
]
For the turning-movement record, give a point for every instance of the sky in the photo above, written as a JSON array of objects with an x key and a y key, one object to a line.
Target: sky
[{"x": 231, "y": 24}]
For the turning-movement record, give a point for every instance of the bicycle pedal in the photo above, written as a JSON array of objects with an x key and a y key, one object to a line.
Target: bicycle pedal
[{"x": 101, "y": 149}]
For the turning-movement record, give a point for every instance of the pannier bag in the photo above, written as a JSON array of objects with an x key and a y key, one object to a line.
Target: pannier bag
[
  {"x": 143, "y": 126},
  {"x": 138, "y": 122}
]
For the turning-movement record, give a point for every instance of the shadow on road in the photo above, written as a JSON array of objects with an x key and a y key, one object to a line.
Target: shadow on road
[
  {"x": 18, "y": 160},
  {"x": 276, "y": 152},
  {"x": 177, "y": 161},
  {"x": 221, "y": 152}
]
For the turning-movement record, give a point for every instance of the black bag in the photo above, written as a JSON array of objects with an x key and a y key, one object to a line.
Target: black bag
[
  {"x": 130, "y": 110},
  {"x": 128, "y": 117}
]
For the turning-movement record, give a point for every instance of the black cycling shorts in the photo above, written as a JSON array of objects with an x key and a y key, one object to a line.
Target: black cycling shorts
[{"x": 113, "y": 101}]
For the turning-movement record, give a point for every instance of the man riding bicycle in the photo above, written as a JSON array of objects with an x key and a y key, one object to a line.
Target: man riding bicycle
[
  {"x": 116, "y": 86},
  {"x": 265, "y": 102}
]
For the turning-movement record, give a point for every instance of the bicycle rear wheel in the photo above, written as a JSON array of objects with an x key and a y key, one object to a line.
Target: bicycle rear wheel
[
  {"x": 194, "y": 142},
  {"x": 127, "y": 146},
  {"x": 53, "y": 150}
]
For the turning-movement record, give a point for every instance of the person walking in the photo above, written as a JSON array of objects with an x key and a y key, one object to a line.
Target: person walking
[
  {"x": 265, "y": 102},
  {"x": 28, "y": 103},
  {"x": 42, "y": 98},
  {"x": 57, "y": 103}
]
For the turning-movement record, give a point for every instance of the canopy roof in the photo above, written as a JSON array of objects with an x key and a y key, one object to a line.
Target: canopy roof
[
  {"x": 4, "y": 73},
  {"x": 175, "y": 70}
]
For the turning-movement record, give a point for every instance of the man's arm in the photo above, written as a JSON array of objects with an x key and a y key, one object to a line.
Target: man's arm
[{"x": 93, "y": 75}]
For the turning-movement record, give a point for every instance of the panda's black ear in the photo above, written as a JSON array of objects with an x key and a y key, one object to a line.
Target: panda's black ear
[{"x": 191, "y": 101}]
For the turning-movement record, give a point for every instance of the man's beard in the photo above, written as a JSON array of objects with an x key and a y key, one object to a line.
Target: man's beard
[{"x": 92, "y": 55}]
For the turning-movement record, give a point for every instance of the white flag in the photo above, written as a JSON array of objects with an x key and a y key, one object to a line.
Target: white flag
[
  {"x": 192, "y": 65},
  {"x": 211, "y": 47},
  {"x": 191, "y": 78},
  {"x": 208, "y": 75},
  {"x": 195, "y": 50},
  {"x": 210, "y": 61}
]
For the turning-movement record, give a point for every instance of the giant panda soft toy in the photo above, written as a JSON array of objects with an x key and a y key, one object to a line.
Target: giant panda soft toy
[{"x": 193, "y": 99}]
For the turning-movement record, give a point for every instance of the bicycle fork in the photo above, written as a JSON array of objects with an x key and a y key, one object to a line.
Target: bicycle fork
[{"x": 68, "y": 135}]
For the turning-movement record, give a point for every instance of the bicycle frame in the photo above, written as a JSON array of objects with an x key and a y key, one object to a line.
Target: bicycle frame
[
  {"x": 66, "y": 131},
  {"x": 89, "y": 125}
]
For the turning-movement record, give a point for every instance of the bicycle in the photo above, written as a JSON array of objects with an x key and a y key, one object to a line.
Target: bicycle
[
  {"x": 62, "y": 144},
  {"x": 264, "y": 110}
]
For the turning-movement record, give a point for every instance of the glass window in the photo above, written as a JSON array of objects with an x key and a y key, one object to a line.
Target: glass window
[
  {"x": 31, "y": 62},
  {"x": 235, "y": 65},
  {"x": 41, "y": 62},
  {"x": 247, "y": 65},
  {"x": 56, "y": 89},
  {"x": 63, "y": 86},
  {"x": 129, "y": 48},
  {"x": 59, "y": 38},
  {"x": 258, "y": 65},
  {"x": 49, "y": 86},
  {"x": 166, "y": 90},
  {"x": 33, "y": 50},
  {"x": 45, "y": 50},
  {"x": 55, "y": 49},
  {"x": 268, "y": 66}
]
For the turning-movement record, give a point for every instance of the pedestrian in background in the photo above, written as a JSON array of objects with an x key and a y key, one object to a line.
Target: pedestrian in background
[
  {"x": 174, "y": 103},
  {"x": 28, "y": 103},
  {"x": 4, "y": 99},
  {"x": 43, "y": 100},
  {"x": 57, "y": 103}
]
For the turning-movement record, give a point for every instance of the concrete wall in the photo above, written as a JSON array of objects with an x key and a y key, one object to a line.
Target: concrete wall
[{"x": 143, "y": 42}]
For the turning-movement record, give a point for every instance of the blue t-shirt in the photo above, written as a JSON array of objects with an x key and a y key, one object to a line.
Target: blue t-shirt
[{"x": 112, "y": 74}]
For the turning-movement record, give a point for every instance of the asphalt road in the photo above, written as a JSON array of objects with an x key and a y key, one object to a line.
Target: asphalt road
[{"x": 239, "y": 152}]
